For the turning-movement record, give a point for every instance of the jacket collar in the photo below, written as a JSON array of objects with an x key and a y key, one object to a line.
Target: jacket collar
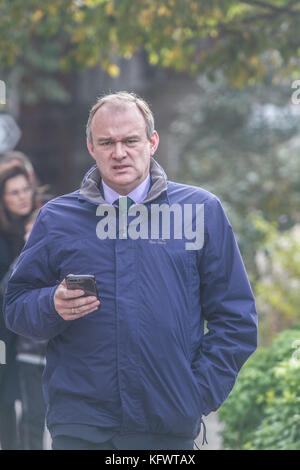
[{"x": 92, "y": 182}]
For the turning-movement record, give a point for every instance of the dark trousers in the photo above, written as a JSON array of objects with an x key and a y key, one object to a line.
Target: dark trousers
[
  {"x": 32, "y": 423},
  {"x": 118, "y": 443}
]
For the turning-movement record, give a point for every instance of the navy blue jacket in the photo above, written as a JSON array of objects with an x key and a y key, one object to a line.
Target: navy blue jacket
[{"x": 141, "y": 362}]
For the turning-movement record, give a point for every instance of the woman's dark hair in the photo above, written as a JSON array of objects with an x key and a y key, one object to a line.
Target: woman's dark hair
[{"x": 7, "y": 172}]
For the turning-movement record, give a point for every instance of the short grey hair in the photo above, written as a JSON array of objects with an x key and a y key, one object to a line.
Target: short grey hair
[{"x": 122, "y": 97}]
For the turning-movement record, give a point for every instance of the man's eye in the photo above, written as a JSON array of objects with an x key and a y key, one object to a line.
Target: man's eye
[{"x": 106, "y": 144}]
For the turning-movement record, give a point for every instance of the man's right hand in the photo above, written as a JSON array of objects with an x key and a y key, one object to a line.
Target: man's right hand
[{"x": 70, "y": 305}]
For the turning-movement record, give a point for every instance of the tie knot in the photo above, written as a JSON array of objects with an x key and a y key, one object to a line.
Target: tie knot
[{"x": 124, "y": 202}]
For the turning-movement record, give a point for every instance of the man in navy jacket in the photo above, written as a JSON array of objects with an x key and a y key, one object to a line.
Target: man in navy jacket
[{"x": 133, "y": 368}]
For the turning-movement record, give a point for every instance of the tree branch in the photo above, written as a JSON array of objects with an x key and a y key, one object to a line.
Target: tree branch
[
  {"x": 280, "y": 10},
  {"x": 261, "y": 4}
]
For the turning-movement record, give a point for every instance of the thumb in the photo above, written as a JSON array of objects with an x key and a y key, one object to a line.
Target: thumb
[{"x": 64, "y": 283}]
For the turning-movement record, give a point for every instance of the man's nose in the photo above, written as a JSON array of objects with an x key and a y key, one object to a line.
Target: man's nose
[{"x": 119, "y": 150}]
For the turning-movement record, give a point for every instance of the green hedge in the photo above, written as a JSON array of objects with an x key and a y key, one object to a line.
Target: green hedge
[{"x": 263, "y": 410}]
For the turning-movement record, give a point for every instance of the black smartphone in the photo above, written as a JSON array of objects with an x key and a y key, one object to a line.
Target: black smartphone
[{"x": 86, "y": 282}]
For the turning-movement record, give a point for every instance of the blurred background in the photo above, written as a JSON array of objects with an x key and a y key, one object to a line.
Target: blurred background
[{"x": 223, "y": 81}]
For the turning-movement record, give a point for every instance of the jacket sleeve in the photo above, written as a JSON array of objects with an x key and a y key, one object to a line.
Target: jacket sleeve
[
  {"x": 28, "y": 304},
  {"x": 228, "y": 307}
]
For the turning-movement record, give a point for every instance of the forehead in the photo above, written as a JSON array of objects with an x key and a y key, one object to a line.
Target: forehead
[
  {"x": 16, "y": 182},
  {"x": 114, "y": 119}
]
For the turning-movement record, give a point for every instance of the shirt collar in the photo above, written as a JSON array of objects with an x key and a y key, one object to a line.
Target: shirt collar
[{"x": 138, "y": 194}]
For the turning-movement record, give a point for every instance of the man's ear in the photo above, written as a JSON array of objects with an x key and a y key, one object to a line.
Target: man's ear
[
  {"x": 154, "y": 141},
  {"x": 90, "y": 148}
]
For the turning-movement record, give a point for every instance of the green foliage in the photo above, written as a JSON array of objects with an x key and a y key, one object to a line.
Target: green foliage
[
  {"x": 241, "y": 38},
  {"x": 278, "y": 288},
  {"x": 262, "y": 411}
]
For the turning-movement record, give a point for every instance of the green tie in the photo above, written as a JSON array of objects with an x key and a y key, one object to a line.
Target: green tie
[{"x": 129, "y": 201}]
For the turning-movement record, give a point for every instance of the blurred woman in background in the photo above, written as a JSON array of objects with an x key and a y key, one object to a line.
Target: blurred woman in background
[
  {"x": 17, "y": 202},
  {"x": 42, "y": 192},
  {"x": 31, "y": 358}
]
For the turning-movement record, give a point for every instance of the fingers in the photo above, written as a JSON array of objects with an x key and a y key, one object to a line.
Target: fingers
[
  {"x": 65, "y": 293},
  {"x": 70, "y": 304},
  {"x": 79, "y": 308}
]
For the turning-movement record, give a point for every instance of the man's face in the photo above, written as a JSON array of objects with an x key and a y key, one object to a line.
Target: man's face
[{"x": 120, "y": 146}]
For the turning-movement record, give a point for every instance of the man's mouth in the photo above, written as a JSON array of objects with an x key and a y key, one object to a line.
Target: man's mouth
[{"x": 120, "y": 167}]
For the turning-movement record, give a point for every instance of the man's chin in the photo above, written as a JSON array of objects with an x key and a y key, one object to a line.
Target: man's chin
[{"x": 123, "y": 185}]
